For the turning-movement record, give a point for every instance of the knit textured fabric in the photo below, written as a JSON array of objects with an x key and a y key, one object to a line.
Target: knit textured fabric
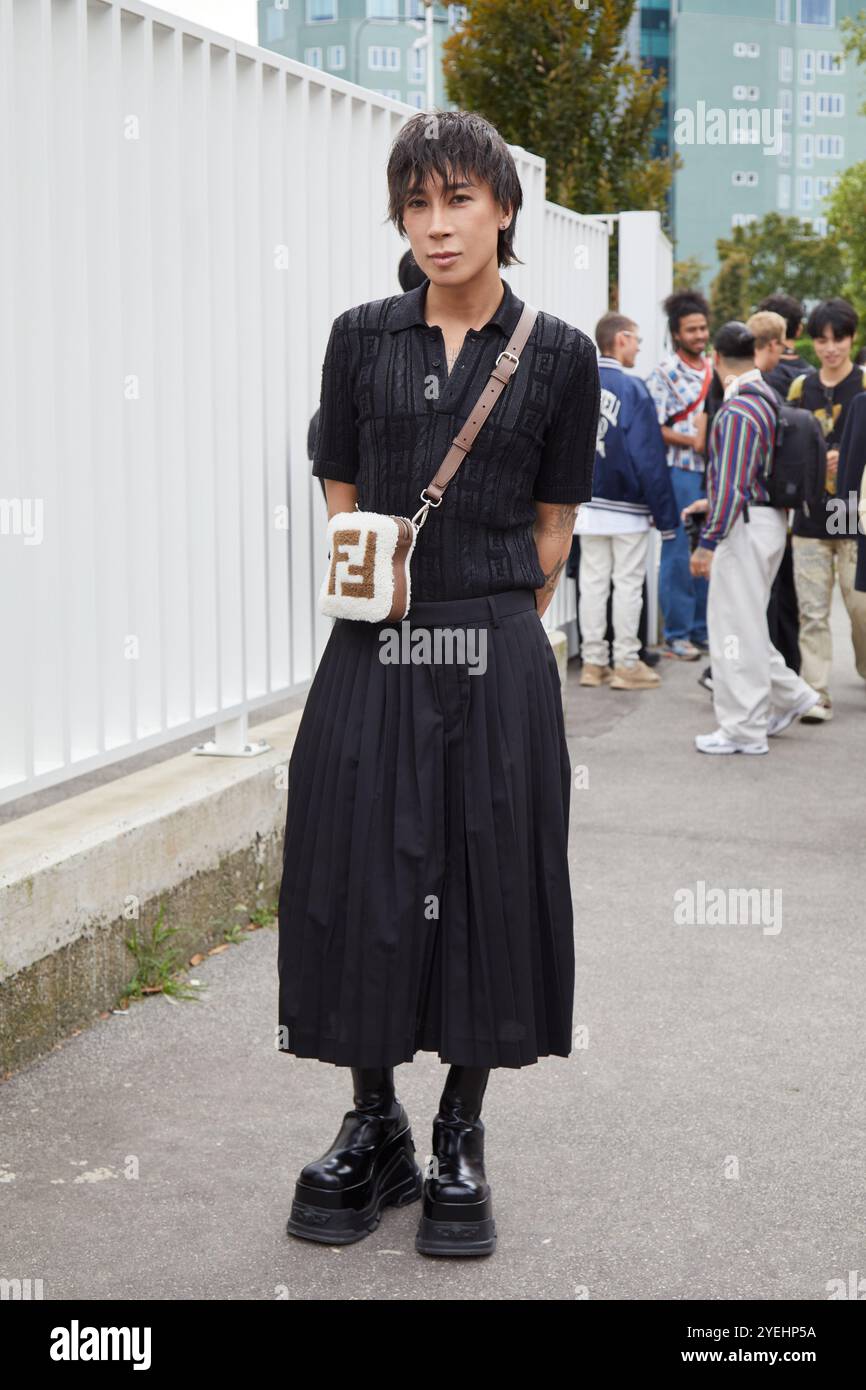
[{"x": 390, "y": 410}]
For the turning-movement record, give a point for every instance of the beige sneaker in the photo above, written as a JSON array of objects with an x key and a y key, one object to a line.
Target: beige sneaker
[
  {"x": 638, "y": 676},
  {"x": 818, "y": 714},
  {"x": 595, "y": 675}
]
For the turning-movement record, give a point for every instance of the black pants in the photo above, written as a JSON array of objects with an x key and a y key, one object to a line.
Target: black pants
[{"x": 783, "y": 616}]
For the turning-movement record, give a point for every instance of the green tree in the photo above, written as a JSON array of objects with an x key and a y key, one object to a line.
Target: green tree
[
  {"x": 853, "y": 31},
  {"x": 846, "y": 213},
  {"x": 773, "y": 255},
  {"x": 689, "y": 274},
  {"x": 554, "y": 79}
]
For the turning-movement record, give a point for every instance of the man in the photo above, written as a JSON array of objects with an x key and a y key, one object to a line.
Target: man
[
  {"x": 679, "y": 389},
  {"x": 825, "y": 546},
  {"x": 789, "y": 364},
  {"x": 852, "y": 477},
  {"x": 425, "y": 902},
  {"x": 754, "y": 693},
  {"x": 769, "y": 330},
  {"x": 631, "y": 488}
]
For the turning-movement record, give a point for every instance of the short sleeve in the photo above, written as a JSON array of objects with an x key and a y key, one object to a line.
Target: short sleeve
[
  {"x": 336, "y": 449},
  {"x": 568, "y": 454}
]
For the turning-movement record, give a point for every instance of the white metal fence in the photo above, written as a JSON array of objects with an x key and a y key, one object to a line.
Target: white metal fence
[{"x": 184, "y": 217}]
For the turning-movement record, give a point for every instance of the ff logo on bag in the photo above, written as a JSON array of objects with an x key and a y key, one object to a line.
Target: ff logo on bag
[{"x": 351, "y": 587}]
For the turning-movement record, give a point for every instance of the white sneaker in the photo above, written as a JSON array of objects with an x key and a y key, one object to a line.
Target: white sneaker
[
  {"x": 778, "y": 722},
  {"x": 718, "y": 742}
]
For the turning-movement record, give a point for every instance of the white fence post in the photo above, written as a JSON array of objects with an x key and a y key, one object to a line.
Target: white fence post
[{"x": 645, "y": 281}]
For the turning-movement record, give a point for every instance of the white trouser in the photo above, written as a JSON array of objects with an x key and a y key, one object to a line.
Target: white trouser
[
  {"x": 750, "y": 678},
  {"x": 623, "y": 559}
]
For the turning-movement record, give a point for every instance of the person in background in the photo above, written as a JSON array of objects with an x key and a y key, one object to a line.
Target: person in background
[
  {"x": 631, "y": 489},
  {"x": 790, "y": 363},
  {"x": 825, "y": 546},
  {"x": 769, "y": 329},
  {"x": 852, "y": 478},
  {"x": 679, "y": 387},
  {"x": 755, "y": 695},
  {"x": 410, "y": 276}
]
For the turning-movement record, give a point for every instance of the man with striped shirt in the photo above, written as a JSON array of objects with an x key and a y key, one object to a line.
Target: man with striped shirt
[{"x": 741, "y": 546}]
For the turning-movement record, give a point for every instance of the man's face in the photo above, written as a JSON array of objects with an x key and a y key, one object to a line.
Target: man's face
[
  {"x": 454, "y": 233},
  {"x": 627, "y": 345},
  {"x": 693, "y": 334},
  {"x": 832, "y": 352}
]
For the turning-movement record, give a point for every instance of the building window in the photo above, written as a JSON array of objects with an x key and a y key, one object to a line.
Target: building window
[
  {"x": 313, "y": 57},
  {"x": 786, "y": 64},
  {"x": 830, "y": 146},
  {"x": 807, "y": 65},
  {"x": 831, "y": 104},
  {"x": 414, "y": 9},
  {"x": 804, "y": 151},
  {"x": 816, "y": 12},
  {"x": 807, "y": 108},
  {"x": 785, "y": 152},
  {"x": 804, "y": 194},
  {"x": 416, "y": 98},
  {"x": 321, "y": 11},
  {"x": 417, "y": 64},
  {"x": 783, "y": 11},
  {"x": 747, "y": 50},
  {"x": 786, "y": 104},
  {"x": 742, "y": 219},
  {"x": 819, "y": 226},
  {"x": 824, "y": 187},
  {"x": 744, "y": 178},
  {"x": 275, "y": 24},
  {"x": 457, "y": 15},
  {"x": 383, "y": 9},
  {"x": 831, "y": 64},
  {"x": 783, "y": 192},
  {"x": 393, "y": 92},
  {"x": 382, "y": 59},
  {"x": 337, "y": 57}
]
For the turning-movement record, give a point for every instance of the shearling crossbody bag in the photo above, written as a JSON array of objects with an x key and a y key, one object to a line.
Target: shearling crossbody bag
[{"x": 368, "y": 573}]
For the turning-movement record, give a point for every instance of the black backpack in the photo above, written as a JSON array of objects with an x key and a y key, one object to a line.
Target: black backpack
[{"x": 795, "y": 473}]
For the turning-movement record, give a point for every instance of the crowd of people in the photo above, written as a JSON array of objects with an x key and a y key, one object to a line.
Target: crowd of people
[{"x": 748, "y": 460}]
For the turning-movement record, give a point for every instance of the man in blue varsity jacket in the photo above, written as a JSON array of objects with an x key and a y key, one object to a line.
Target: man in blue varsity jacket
[{"x": 631, "y": 490}]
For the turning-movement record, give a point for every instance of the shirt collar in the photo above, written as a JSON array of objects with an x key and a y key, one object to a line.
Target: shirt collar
[
  {"x": 610, "y": 362},
  {"x": 733, "y": 386},
  {"x": 408, "y": 309}
]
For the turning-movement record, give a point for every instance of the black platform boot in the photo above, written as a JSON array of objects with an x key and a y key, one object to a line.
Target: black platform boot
[
  {"x": 457, "y": 1213},
  {"x": 370, "y": 1165}
]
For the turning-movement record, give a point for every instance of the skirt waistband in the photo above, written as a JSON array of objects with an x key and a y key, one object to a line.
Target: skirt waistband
[{"x": 487, "y": 608}]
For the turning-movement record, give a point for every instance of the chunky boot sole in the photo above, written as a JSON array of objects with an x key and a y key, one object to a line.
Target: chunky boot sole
[
  {"x": 455, "y": 1228},
  {"x": 456, "y": 1237},
  {"x": 335, "y": 1218}
]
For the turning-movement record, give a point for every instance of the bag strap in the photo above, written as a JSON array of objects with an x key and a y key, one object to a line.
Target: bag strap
[{"x": 504, "y": 369}]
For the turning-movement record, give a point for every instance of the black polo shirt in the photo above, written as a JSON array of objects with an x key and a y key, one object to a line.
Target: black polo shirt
[{"x": 390, "y": 410}]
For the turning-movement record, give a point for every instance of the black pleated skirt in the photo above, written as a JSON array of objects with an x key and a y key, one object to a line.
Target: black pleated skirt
[{"x": 425, "y": 902}]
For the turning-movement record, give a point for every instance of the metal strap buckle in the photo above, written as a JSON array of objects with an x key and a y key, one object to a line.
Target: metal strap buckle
[{"x": 515, "y": 359}]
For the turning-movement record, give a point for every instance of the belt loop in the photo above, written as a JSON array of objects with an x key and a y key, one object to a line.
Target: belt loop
[{"x": 492, "y": 606}]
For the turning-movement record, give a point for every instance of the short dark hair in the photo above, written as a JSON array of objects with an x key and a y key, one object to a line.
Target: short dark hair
[
  {"x": 409, "y": 272},
  {"x": 454, "y": 145},
  {"x": 607, "y": 328},
  {"x": 734, "y": 341},
  {"x": 684, "y": 302},
  {"x": 790, "y": 308},
  {"x": 837, "y": 314}
]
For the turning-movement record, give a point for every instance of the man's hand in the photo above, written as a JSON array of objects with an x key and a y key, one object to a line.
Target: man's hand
[
  {"x": 701, "y": 562},
  {"x": 832, "y": 464},
  {"x": 701, "y": 505}
]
